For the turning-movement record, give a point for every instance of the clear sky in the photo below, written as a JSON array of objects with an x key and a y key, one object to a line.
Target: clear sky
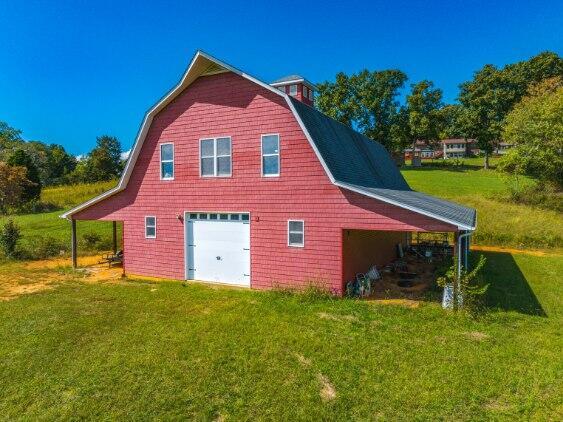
[{"x": 72, "y": 70}]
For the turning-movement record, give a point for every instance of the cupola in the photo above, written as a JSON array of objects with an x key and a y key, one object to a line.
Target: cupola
[{"x": 298, "y": 87}]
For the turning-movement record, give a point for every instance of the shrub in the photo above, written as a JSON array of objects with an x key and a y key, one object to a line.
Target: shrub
[
  {"x": 542, "y": 195},
  {"x": 471, "y": 284},
  {"x": 9, "y": 236},
  {"x": 91, "y": 239},
  {"x": 45, "y": 247}
]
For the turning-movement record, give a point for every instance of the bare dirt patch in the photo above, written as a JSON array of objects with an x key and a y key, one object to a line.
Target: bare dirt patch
[
  {"x": 328, "y": 392},
  {"x": 477, "y": 335},
  {"x": 303, "y": 360},
  {"x": 22, "y": 278}
]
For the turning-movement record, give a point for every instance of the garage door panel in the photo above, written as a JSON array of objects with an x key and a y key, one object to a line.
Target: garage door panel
[{"x": 218, "y": 251}]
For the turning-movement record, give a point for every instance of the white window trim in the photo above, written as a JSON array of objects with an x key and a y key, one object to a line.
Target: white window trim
[
  {"x": 147, "y": 217},
  {"x": 291, "y": 88},
  {"x": 262, "y": 155},
  {"x": 215, "y": 156},
  {"x": 167, "y": 161},
  {"x": 288, "y": 232}
]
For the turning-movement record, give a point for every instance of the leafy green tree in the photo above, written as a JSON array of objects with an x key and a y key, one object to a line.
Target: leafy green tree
[
  {"x": 421, "y": 118},
  {"x": 13, "y": 182},
  {"x": 366, "y": 101},
  {"x": 32, "y": 191},
  {"x": 104, "y": 161},
  {"x": 9, "y": 136},
  {"x": 59, "y": 164},
  {"x": 450, "y": 115},
  {"x": 489, "y": 97},
  {"x": 535, "y": 127}
]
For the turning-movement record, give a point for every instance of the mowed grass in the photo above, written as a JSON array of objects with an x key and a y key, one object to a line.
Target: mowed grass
[
  {"x": 135, "y": 349},
  {"x": 499, "y": 221}
]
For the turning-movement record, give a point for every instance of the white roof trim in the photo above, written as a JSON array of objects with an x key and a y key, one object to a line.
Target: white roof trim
[
  {"x": 142, "y": 133},
  {"x": 296, "y": 81},
  {"x": 401, "y": 205}
]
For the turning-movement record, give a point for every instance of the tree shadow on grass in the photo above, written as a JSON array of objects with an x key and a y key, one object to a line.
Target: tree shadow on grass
[{"x": 508, "y": 288}]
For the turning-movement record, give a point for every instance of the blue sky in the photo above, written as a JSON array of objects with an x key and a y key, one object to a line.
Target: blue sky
[{"x": 72, "y": 70}]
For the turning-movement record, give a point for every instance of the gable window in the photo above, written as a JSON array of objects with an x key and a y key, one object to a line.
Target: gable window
[
  {"x": 215, "y": 157},
  {"x": 167, "y": 161},
  {"x": 305, "y": 92},
  {"x": 270, "y": 155},
  {"x": 311, "y": 94},
  {"x": 293, "y": 90},
  {"x": 296, "y": 233},
  {"x": 150, "y": 227}
]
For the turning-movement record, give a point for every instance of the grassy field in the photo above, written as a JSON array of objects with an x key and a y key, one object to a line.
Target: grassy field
[
  {"x": 499, "y": 222},
  {"x": 134, "y": 349}
]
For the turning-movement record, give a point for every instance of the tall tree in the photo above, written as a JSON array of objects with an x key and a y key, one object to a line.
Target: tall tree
[
  {"x": 489, "y": 97},
  {"x": 59, "y": 163},
  {"x": 422, "y": 113},
  {"x": 535, "y": 127},
  {"x": 32, "y": 191},
  {"x": 104, "y": 161},
  {"x": 9, "y": 137},
  {"x": 366, "y": 101},
  {"x": 13, "y": 182}
]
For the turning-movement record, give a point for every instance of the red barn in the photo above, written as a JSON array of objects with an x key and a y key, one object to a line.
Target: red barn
[{"x": 236, "y": 181}]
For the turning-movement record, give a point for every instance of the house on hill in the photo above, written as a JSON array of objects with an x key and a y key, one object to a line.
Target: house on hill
[{"x": 237, "y": 181}]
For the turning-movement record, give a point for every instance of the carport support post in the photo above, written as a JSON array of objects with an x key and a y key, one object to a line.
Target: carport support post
[
  {"x": 73, "y": 242},
  {"x": 114, "y": 232}
]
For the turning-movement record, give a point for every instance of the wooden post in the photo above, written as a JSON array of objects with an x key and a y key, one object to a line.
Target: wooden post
[
  {"x": 73, "y": 242},
  {"x": 114, "y": 237}
]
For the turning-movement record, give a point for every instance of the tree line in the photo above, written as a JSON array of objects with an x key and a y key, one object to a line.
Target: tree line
[
  {"x": 497, "y": 104},
  {"x": 27, "y": 166}
]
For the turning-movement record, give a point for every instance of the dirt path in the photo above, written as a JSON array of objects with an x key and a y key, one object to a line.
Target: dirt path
[{"x": 515, "y": 251}]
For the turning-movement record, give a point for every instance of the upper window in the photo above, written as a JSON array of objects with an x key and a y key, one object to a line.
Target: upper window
[
  {"x": 167, "y": 161},
  {"x": 305, "y": 92},
  {"x": 296, "y": 233},
  {"x": 310, "y": 94},
  {"x": 215, "y": 157},
  {"x": 270, "y": 155},
  {"x": 150, "y": 227},
  {"x": 292, "y": 89}
]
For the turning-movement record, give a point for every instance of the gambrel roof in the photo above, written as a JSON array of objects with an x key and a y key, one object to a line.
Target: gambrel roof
[{"x": 350, "y": 160}]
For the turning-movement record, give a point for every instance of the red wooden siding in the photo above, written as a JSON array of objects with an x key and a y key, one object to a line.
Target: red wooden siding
[{"x": 227, "y": 104}]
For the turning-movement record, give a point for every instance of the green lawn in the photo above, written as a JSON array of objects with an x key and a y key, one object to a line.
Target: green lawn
[
  {"x": 499, "y": 222},
  {"x": 169, "y": 350}
]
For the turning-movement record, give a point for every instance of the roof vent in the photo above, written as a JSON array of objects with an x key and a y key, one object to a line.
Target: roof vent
[{"x": 298, "y": 87}]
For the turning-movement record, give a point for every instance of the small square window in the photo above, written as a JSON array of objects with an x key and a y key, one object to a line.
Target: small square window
[
  {"x": 224, "y": 216},
  {"x": 296, "y": 233},
  {"x": 293, "y": 90},
  {"x": 234, "y": 216},
  {"x": 245, "y": 217},
  {"x": 150, "y": 227},
  {"x": 203, "y": 216},
  {"x": 213, "y": 216},
  {"x": 193, "y": 216}
]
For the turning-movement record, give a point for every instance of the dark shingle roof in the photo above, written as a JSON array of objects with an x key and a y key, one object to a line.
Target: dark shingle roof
[{"x": 366, "y": 166}]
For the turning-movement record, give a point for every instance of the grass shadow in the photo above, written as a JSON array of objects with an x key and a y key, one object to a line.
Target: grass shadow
[{"x": 508, "y": 288}]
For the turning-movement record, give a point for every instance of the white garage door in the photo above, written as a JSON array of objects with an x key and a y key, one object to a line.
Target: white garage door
[{"x": 218, "y": 247}]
